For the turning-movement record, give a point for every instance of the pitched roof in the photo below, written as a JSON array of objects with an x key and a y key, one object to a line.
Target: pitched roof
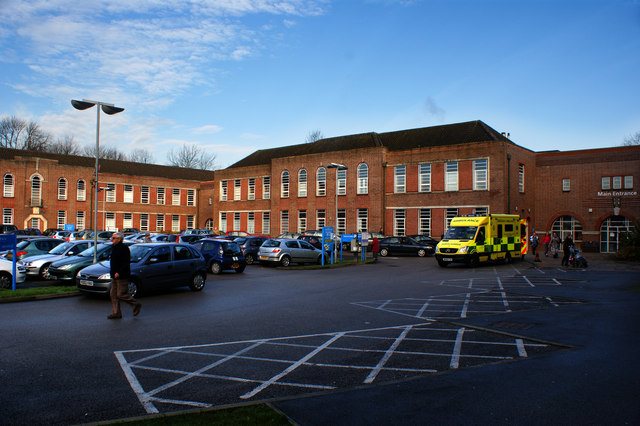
[
  {"x": 114, "y": 166},
  {"x": 449, "y": 134}
]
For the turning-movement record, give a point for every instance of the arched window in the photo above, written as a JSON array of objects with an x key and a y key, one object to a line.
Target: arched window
[
  {"x": 82, "y": 192},
  {"x": 209, "y": 224},
  {"x": 284, "y": 184},
  {"x": 565, "y": 225},
  {"x": 363, "y": 178},
  {"x": 36, "y": 191},
  {"x": 62, "y": 189},
  {"x": 9, "y": 187},
  {"x": 302, "y": 183},
  {"x": 321, "y": 182}
]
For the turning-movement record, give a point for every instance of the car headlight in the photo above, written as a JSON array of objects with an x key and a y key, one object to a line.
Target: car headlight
[
  {"x": 463, "y": 249},
  {"x": 106, "y": 276},
  {"x": 66, "y": 267}
]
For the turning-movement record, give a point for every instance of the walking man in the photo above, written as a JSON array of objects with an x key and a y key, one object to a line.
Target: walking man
[
  {"x": 566, "y": 247},
  {"x": 120, "y": 271}
]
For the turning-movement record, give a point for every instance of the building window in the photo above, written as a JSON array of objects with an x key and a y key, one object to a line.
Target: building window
[
  {"x": 252, "y": 188},
  {"x": 521, "y": 178},
  {"x": 606, "y": 183},
  {"x": 284, "y": 221},
  {"x": 127, "y": 220},
  {"x": 399, "y": 222},
  {"x": 81, "y": 193},
  {"x": 266, "y": 187},
  {"x": 481, "y": 211},
  {"x": 128, "y": 196},
  {"x": 34, "y": 223},
  {"x": 36, "y": 191},
  {"x": 62, "y": 189},
  {"x": 223, "y": 222},
  {"x": 62, "y": 219},
  {"x": 302, "y": 183},
  {"x": 302, "y": 220},
  {"x": 175, "y": 223},
  {"x": 144, "y": 222},
  {"x": 237, "y": 189},
  {"x": 284, "y": 184},
  {"x": 111, "y": 193},
  {"x": 449, "y": 215},
  {"x": 144, "y": 194},
  {"x": 266, "y": 223},
  {"x": 451, "y": 176},
  {"x": 342, "y": 182},
  {"x": 160, "y": 196},
  {"x": 189, "y": 221},
  {"x": 424, "y": 222},
  {"x": 251, "y": 223},
  {"x": 79, "y": 220},
  {"x": 321, "y": 218},
  {"x": 628, "y": 182},
  {"x": 400, "y": 179},
  {"x": 342, "y": 221},
  {"x": 223, "y": 190},
  {"x": 567, "y": 225},
  {"x": 9, "y": 186},
  {"x": 175, "y": 197},
  {"x": 110, "y": 220},
  {"x": 7, "y": 216},
  {"x": 236, "y": 221},
  {"x": 424, "y": 176},
  {"x": 208, "y": 225},
  {"x": 191, "y": 197},
  {"x": 321, "y": 182},
  {"x": 363, "y": 178},
  {"x": 480, "y": 169},
  {"x": 160, "y": 223},
  {"x": 566, "y": 184},
  {"x": 362, "y": 220},
  {"x": 617, "y": 182}
]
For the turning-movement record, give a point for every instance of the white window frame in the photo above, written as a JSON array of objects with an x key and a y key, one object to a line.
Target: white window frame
[
  {"x": 521, "y": 182},
  {"x": 190, "y": 221},
  {"x": 451, "y": 176},
  {"x": 127, "y": 196},
  {"x": 399, "y": 222},
  {"x": 127, "y": 220},
  {"x": 111, "y": 193},
  {"x": 302, "y": 220},
  {"x": 237, "y": 189},
  {"x": 400, "y": 179},
  {"x": 144, "y": 221},
  {"x": 321, "y": 218},
  {"x": 284, "y": 221},
  {"x": 606, "y": 183},
  {"x": 302, "y": 183},
  {"x": 144, "y": 195},
  {"x": 424, "y": 177},
  {"x": 175, "y": 223},
  {"x": 362, "y": 220},
  {"x": 266, "y": 187},
  {"x": 424, "y": 222},
  {"x": 224, "y": 190},
  {"x": 81, "y": 190},
  {"x": 266, "y": 223},
  {"x": 191, "y": 197},
  {"x": 616, "y": 182},
  {"x": 61, "y": 218},
  {"x": 175, "y": 197},
  {"x": 160, "y": 223},
  {"x": 80, "y": 223},
  {"x": 284, "y": 184},
  {"x": 252, "y": 189},
  {"x": 363, "y": 179},
  {"x": 321, "y": 182},
  {"x": 450, "y": 213},
  {"x": 481, "y": 174},
  {"x": 223, "y": 222},
  {"x": 110, "y": 220},
  {"x": 628, "y": 182},
  {"x": 236, "y": 221},
  {"x": 342, "y": 221},
  {"x": 160, "y": 196},
  {"x": 36, "y": 190},
  {"x": 9, "y": 186},
  {"x": 7, "y": 216},
  {"x": 341, "y": 181},
  {"x": 566, "y": 185},
  {"x": 62, "y": 189},
  {"x": 251, "y": 222}
]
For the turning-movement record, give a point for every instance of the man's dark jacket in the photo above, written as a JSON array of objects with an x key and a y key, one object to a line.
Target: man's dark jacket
[{"x": 120, "y": 261}]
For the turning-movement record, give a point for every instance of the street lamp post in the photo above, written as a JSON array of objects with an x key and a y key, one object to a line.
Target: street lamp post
[
  {"x": 108, "y": 109},
  {"x": 338, "y": 167}
]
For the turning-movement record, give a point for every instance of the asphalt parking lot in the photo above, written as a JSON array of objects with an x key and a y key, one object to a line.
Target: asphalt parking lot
[{"x": 421, "y": 338}]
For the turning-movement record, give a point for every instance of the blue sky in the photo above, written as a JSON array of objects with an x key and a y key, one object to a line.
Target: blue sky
[{"x": 234, "y": 76}]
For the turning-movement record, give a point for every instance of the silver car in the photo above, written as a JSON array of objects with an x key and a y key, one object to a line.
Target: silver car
[
  {"x": 6, "y": 273},
  {"x": 38, "y": 265},
  {"x": 287, "y": 250}
]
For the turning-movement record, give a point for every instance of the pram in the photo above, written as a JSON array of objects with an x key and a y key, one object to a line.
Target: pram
[{"x": 576, "y": 259}]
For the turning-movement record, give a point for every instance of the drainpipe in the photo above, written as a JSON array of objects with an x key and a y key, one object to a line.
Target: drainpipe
[
  {"x": 384, "y": 196},
  {"x": 508, "y": 183}
]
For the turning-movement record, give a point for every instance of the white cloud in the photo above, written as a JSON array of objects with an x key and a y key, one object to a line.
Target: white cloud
[{"x": 208, "y": 129}]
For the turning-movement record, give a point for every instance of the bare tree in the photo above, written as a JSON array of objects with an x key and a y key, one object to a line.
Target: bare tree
[
  {"x": 191, "y": 157},
  {"x": 314, "y": 136},
  {"x": 141, "y": 156},
  {"x": 632, "y": 140},
  {"x": 19, "y": 134},
  {"x": 36, "y": 139},
  {"x": 106, "y": 152},
  {"x": 66, "y": 146}
]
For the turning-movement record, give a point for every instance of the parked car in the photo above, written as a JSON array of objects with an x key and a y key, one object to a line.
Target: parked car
[
  {"x": 154, "y": 266},
  {"x": 38, "y": 265},
  {"x": 66, "y": 269},
  {"x": 183, "y": 238},
  {"x": 50, "y": 231},
  {"x": 221, "y": 255},
  {"x": 402, "y": 246},
  {"x": 196, "y": 231},
  {"x": 289, "y": 235},
  {"x": 428, "y": 241},
  {"x": 6, "y": 273},
  {"x": 287, "y": 250},
  {"x": 62, "y": 235},
  {"x": 250, "y": 247},
  {"x": 32, "y": 246},
  {"x": 8, "y": 229},
  {"x": 102, "y": 235},
  {"x": 314, "y": 240}
]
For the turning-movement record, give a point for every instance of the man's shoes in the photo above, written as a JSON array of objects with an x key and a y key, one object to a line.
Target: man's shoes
[
  {"x": 114, "y": 316},
  {"x": 136, "y": 309}
]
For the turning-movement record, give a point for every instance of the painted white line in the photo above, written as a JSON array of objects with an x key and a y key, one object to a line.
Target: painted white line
[
  {"x": 500, "y": 283},
  {"x": 554, "y": 304},
  {"x": 424, "y": 306},
  {"x": 371, "y": 377},
  {"x": 188, "y": 403},
  {"x": 463, "y": 314},
  {"x": 505, "y": 302},
  {"x": 292, "y": 367},
  {"x": 521, "y": 349},
  {"x": 470, "y": 282},
  {"x": 135, "y": 385},
  {"x": 556, "y": 281},
  {"x": 528, "y": 282},
  {"x": 455, "y": 356}
]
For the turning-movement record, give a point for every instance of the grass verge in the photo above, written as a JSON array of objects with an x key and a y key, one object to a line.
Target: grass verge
[{"x": 35, "y": 291}]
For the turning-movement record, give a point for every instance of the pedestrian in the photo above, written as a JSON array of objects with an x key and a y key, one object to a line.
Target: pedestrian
[
  {"x": 567, "y": 244},
  {"x": 555, "y": 245},
  {"x": 375, "y": 248},
  {"x": 534, "y": 246},
  {"x": 546, "y": 240},
  {"x": 120, "y": 271}
]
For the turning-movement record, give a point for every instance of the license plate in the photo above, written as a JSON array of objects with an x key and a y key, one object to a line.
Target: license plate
[
  {"x": 86, "y": 283},
  {"x": 447, "y": 259},
  {"x": 264, "y": 257},
  {"x": 235, "y": 266}
]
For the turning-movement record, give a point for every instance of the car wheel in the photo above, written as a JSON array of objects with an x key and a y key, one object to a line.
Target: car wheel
[
  {"x": 507, "y": 258},
  {"x": 197, "y": 282},
  {"x": 285, "y": 261},
  {"x": 442, "y": 264},
  {"x": 473, "y": 261},
  {"x": 134, "y": 288},
  {"x": 240, "y": 269},
  {"x": 249, "y": 258},
  {"x": 422, "y": 253},
  {"x": 5, "y": 280},
  {"x": 384, "y": 252},
  {"x": 44, "y": 272},
  {"x": 215, "y": 268}
]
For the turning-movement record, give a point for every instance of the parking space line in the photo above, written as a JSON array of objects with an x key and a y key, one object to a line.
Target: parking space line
[
  {"x": 527, "y": 280},
  {"x": 371, "y": 377},
  {"x": 455, "y": 356},
  {"x": 521, "y": 349}
]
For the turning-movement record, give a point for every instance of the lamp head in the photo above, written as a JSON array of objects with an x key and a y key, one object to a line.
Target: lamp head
[
  {"x": 81, "y": 105},
  {"x": 110, "y": 110}
]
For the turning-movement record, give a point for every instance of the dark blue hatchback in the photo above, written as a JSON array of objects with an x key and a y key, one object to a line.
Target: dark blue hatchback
[{"x": 221, "y": 255}]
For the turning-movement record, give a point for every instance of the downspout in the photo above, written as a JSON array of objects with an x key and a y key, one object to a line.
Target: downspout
[
  {"x": 384, "y": 196},
  {"x": 508, "y": 183}
]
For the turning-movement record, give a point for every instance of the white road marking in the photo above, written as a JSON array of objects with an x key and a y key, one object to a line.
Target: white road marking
[
  {"x": 455, "y": 356},
  {"x": 371, "y": 377},
  {"x": 521, "y": 349}
]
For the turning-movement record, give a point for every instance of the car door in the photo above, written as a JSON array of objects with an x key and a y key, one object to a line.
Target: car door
[
  {"x": 307, "y": 252},
  {"x": 157, "y": 268},
  {"x": 294, "y": 250},
  {"x": 185, "y": 264}
]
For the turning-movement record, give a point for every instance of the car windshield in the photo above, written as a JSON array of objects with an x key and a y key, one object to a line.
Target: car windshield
[
  {"x": 232, "y": 248},
  {"x": 138, "y": 252},
  {"x": 61, "y": 248},
  {"x": 271, "y": 243},
  {"x": 461, "y": 233},
  {"x": 89, "y": 252}
]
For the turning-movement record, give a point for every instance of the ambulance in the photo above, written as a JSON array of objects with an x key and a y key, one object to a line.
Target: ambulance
[{"x": 475, "y": 239}]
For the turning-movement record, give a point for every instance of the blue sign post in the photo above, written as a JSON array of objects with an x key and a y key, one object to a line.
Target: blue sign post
[
  {"x": 8, "y": 242},
  {"x": 327, "y": 242}
]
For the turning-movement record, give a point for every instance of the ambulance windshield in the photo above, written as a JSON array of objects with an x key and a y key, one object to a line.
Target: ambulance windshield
[{"x": 461, "y": 233}]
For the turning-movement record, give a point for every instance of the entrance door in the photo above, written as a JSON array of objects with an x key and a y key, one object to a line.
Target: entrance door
[{"x": 610, "y": 233}]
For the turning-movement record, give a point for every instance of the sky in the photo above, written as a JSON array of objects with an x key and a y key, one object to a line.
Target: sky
[{"x": 235, "y": 76}]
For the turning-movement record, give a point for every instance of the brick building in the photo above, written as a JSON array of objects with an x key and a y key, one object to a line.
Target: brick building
[{"x": 404, "y": 182}]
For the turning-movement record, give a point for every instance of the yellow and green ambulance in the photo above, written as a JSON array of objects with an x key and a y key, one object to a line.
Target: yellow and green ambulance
[{"x": 475, "y": 239}]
